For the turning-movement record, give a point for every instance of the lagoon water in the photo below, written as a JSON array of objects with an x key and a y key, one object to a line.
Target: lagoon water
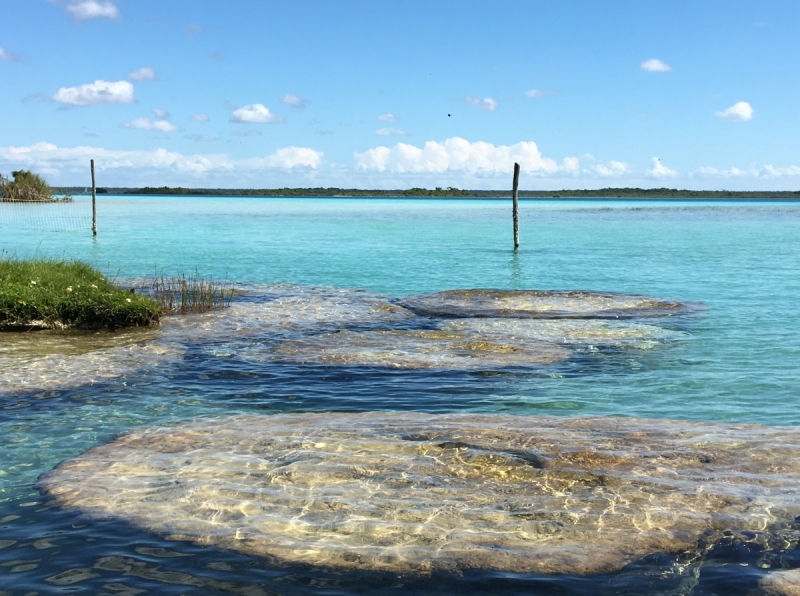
[{"x": 734, "y": 362}]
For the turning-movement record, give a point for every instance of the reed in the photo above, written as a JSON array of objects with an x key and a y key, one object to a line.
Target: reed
[{"x": 192, "y": 294}]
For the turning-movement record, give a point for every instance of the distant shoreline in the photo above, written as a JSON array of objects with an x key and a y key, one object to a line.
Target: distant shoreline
[{"x": 452, "y": 193}]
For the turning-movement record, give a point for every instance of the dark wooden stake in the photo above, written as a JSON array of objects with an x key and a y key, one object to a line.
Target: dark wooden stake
[
  {"x": 94, "y": 203},
  {"x": 515, "y": 211}
]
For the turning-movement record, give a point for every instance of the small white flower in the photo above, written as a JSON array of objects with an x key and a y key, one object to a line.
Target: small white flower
[
  {"x": 94, "y": 286},
  {"x": 127, "y": 299},
  {"x": 69, "y": 289},
  {"x": 33, "y": 283}
]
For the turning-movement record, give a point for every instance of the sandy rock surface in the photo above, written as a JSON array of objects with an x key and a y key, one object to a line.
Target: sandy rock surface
[{"x": 414, "y": 492}]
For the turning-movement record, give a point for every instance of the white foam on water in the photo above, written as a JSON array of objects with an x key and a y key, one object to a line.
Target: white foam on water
[{"x": 415, "y": 493}]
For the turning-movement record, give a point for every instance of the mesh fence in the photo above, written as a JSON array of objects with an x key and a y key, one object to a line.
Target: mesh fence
[{"x": 51, "y": 216}]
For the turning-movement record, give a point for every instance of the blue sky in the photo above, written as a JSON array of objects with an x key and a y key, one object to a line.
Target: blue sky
[{"x": 394, "y": 94}]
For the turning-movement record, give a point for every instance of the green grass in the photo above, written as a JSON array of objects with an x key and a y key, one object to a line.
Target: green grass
[{"x": 60, "y": 294}]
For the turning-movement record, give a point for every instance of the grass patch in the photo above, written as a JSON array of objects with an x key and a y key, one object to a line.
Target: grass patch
[{"x": 47, "y": 293}]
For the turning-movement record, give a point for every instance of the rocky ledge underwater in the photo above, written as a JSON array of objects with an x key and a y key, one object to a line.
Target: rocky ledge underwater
[{"x": 413, "y": 494}]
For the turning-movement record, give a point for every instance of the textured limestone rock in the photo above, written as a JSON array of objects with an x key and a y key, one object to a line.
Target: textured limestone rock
[
  {"x": 288, "y": 309},
  {"x": 410, "y": 349},
  {"x": 569, "y": 332},
  {"x": 414, "y": 492},
  {"x": 541, "y": 304},
  {"x": 57, "y": 360},
  {"x": 781, "y": 583}
]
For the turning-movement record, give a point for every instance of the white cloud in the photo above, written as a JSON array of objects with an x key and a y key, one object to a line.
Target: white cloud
[
  {"x": 612, "y": 169},
  {"x": 388, "y": 117},
  {"x": 659, "y": 170},
  {"x": 655, "y": 65},
  {"x": 95, "y": 93},
  {"x": 739, "y": 112},
  {"x": 255, "y": 113},
  {"x": 780, "y": 172},
  {"x": 767, "y": 172},
  {"x": 161, "y": 114},
  {"x": 486, "y": 103},
  {"x": 193, "y": 29},
  {"x": 143, "y": 74},
  {"x": 92, "y": 9},
  {"x": 6, "y": 55},
  {"x": 201, "y": 118},
  {"x": 534, "y": 93},
  {"x": 136, "y": 166},
  {"x": 288, "y": 157},
  {"x": 147, "y": 124},
  {"x": 572, "y": 164},
  {"x": 294, "y": 101},
  {"x": 456, "y": 154},
  {"x": 388, "y": 132}
]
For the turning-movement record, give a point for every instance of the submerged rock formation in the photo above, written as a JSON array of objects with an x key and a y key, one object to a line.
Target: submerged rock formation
[
  {"x": 415, "y": 493},
  {"x": 542, "y": 304}
]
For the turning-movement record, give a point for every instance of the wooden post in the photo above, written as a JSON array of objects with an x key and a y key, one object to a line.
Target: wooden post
[
  {"x": 94, "y": 203},
  {"x": 515, "y": 210}
]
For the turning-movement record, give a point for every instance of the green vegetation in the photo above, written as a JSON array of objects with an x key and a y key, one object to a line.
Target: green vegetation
[
  {"x": 182, "y": 295},
  {"x": 27, "y": 187},
  {"x": 452, "y": 192},
  {"x": 45, "y": 293}
]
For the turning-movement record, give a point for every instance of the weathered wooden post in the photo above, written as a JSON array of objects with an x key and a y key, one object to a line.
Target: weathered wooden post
[
  {"x": 515, "y": 197},
  {"x": 94, "y": 203}
]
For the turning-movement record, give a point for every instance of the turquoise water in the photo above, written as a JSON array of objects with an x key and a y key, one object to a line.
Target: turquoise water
[{"x": 736, "y": 361}]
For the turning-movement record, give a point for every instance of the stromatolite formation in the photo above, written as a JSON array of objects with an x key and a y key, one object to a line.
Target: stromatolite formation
[
  {"x": 542, "y": 304},
  {"x": 57, "y": 360},
  {"x": 289, "y": 309},
  {"x": 414, "y": 492},
  {"x": 781, "y": 583},
  {"x": 570, "y": 332}
]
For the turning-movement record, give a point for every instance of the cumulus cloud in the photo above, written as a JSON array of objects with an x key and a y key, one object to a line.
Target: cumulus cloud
[
  {"x": 739, "y": 112},
  {"x": 612, "y": 169},
  {"x": 92, "y": 9},
  {"x": 388, "y": 117},
  {"x": 288, "y": 157},
  {"x": 95, "y": 93},
  {"x": 256, "y": 112},
  {"x": 388, "y": 132},
  {"x": 161, "y": 114},
  {"x": 486, "y": 103},
  {"x": 655, "y": 65},
  {"x": 6, "y": 55},
  {"x": 147, "y": 124},
  {"x": 201, "y": 118},
  {"x": 143, "y": 74},
  {"x": 456, "y": 154},
  {"x": 659, "y": 170},
  {"x": 294, "y": 101},
  {"x": 156, "y": 164}
]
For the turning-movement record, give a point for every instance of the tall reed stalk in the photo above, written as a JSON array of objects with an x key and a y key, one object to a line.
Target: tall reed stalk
[{"x": 182, "y": 295}]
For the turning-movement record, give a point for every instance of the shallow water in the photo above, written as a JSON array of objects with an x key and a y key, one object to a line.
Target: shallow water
[{"x": 734, "y": 362}]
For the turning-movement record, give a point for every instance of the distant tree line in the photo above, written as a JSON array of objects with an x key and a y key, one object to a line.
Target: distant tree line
[{"x": 609, "y": 193}]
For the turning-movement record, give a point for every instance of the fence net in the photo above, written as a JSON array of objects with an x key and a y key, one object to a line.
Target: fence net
[{"x": 51, "y": 216}]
